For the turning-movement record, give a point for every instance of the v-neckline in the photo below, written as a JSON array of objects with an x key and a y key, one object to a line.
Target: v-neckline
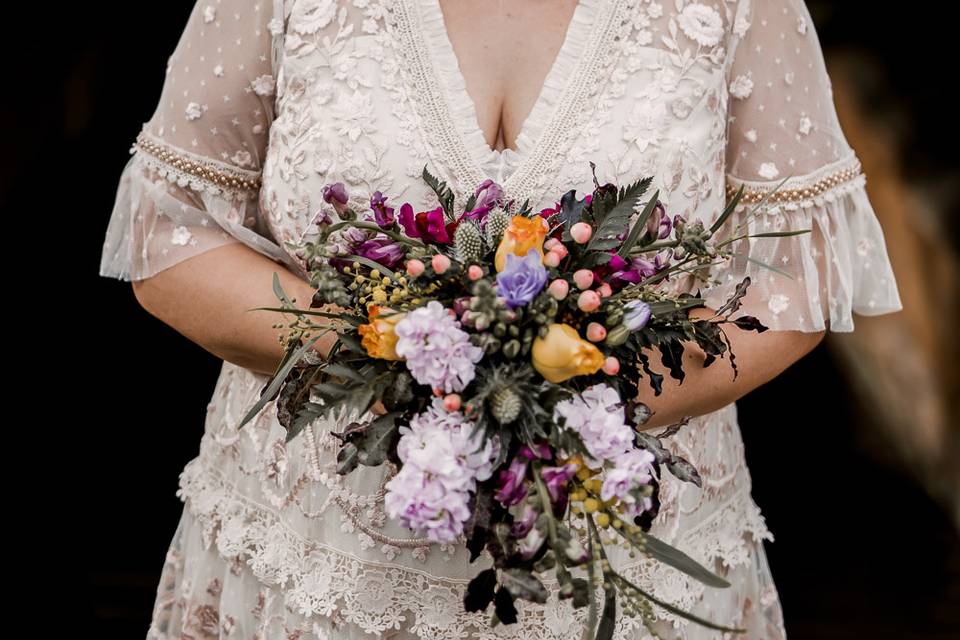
[
  {"x": 463, "y": 111},
  {"x": 448, "y": 52}
]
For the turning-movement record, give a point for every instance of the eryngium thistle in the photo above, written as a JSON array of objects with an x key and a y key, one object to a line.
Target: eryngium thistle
[
  {"x": 468, "y": 242},
  {"x": 497, "y": 222},
  {"x": 505, "y": 405}
]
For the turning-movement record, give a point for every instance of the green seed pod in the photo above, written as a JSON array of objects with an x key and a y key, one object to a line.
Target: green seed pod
[
  {"x": 615, "y": 316},
  {"x": 511, "y": 349},
  {"x": 617, "y": 336}
]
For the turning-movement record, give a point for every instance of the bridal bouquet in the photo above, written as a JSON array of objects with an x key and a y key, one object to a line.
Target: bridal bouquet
[{"x": 504, "y": 350}]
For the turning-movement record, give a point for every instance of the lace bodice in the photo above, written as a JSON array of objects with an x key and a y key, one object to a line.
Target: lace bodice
[{"x": 265, "y": 102}]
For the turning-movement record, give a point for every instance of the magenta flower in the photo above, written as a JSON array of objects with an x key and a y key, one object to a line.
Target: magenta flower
[
  {"x": 382, "y": 251},
  {"x": 556, "y": 479},
  {"x": 425, "y": 225},
  {"x": 511, "y": 485},
  {"x": 381, "y": 212},
  {"x": 541, "y": 451}
]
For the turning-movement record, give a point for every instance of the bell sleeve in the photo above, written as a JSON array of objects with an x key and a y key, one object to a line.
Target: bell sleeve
[
  {"x": 782, "y": 125},
  {"x": 192, "y": 182}
]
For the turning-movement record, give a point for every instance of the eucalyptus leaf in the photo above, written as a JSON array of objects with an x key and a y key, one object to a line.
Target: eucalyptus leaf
[
  {"x": 277, "y": 381},
  {"x": 523, "y": 584},
  {"x": 677, "y": 559}
]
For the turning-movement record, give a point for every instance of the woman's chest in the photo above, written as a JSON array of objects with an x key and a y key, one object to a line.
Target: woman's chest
[{"x": 371, "y": 92}]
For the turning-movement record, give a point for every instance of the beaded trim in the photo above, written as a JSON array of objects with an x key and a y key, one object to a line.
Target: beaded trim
[
  {"x": 801, "y": 189},
  {"x": 197, "y": 171}
]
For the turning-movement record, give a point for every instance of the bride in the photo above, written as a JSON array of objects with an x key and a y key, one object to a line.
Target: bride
[{"x": 265, "y": 103}]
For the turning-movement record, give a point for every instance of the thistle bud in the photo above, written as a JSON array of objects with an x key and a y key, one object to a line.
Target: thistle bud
[{"x": 617, "y": 336}]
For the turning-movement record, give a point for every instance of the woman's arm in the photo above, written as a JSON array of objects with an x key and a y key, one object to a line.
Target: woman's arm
[
  {"x": 760, "y": 358},
  {"x": 207, "y": 297}
]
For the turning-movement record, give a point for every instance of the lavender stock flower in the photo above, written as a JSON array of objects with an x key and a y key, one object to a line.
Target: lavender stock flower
[{"x": 521, "y": 279}]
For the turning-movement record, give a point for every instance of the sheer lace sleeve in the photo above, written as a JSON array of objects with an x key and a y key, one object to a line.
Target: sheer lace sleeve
[
  {"x": 782, "y": 124},
  {"x": 193, "y": 181}
]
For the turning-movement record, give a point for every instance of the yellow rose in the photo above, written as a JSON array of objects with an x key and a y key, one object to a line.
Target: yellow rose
[
  {"x": 521, "y": 235},
  {"x": 564, "y": 354},
  {"x": 379, "y": 337}
]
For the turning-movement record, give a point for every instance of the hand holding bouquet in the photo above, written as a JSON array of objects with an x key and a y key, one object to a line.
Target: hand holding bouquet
[{"x": 507, "y": 348}]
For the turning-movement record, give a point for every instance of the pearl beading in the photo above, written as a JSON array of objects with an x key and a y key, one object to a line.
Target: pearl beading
[
  {"x": 829, "y": 178},
  {"x": 195, "y": 171}
]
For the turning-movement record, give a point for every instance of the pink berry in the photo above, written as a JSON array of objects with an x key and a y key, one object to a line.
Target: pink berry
[
  {"x": 437, "y": 391},
  {"x": 611, "y": 366},
  {"x": 559, "y": 289},
  {"x": 581, "y": 232},
  {"x": 551, "y": 259},
  {"x": 551, "y": 243},
  {"x": 451, "y": 402},
  {"x": 588, "y": 300},
  {"x": 414, "y": 268},
  {"x": 583, "y": 278},
  {"x": 474, "y": 272},
  {"x": 596, "y": 332},
  {"x": 604, "y": 290},
  {"x": 440, "y": 263},
  {"x": 560, "y": 250}
]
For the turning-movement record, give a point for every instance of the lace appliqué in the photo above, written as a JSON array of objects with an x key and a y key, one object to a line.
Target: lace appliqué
[{"x": 377, "y": 596}]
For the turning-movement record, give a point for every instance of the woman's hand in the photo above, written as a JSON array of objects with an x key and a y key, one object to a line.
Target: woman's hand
[{"x": 760, "y": 358}]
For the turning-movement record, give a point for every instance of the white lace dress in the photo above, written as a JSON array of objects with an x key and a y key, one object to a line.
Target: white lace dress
[{"x": 265, "y": 102}]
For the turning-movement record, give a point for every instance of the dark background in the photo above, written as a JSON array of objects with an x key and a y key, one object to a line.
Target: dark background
[{"x": 860, "y": 550}]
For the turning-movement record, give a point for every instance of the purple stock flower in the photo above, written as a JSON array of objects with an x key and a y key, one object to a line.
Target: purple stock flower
[
  {"x": 488, "y": 195},
  {"x": 381, "y": 212},
  {"x": 556, "y": 479},
  {"x": 522, "y": 525},
  {"x": 336, "y": 194},
  {"x": 636, "y": 314},
  {"x": 659, "y": 224},
  {"x": 521, "y": 279},
  {"x": 542, "y": 451},
  {"x": 512, "y": 488},
  {"x": 382, "y": 251},
  {"x": 640, "y": 268},
  {"x": 426, "y": 225}
]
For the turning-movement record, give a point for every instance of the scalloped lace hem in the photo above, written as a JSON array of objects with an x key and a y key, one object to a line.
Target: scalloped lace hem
[{"x": 376, "y": 596}]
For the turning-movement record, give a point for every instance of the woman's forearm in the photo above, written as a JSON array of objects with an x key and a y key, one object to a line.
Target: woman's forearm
[
  {"x": 207, "y": 297},
  {"x": 760, "y": 358}
]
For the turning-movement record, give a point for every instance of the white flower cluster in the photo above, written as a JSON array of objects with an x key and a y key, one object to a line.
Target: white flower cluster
[
  {"x": 597, "y": 417},
  {"x": 441, "y": 467},
  {"x": 438, "y": 353}
]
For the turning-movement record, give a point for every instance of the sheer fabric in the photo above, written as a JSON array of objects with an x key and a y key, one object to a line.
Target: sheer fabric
[
  {"x": 703, "y": 95},
  {"x": 193, "y": 181},
  {"x": 783, "y": 126}
]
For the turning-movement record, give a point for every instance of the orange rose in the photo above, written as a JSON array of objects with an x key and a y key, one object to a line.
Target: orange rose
[
  {"x": 379, "y": 337},
  {"x": 521, "y": 235},
  {"x": 564, "y": 354}
]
